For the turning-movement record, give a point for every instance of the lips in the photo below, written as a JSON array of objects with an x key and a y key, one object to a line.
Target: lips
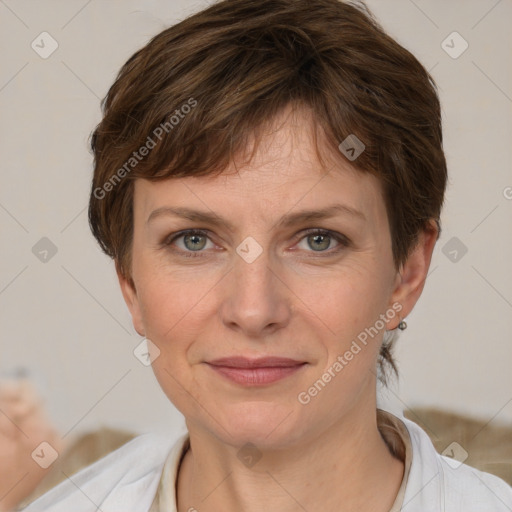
[
  {"x": 255, "y": 372},
  {"x": 263, "y": 362}
]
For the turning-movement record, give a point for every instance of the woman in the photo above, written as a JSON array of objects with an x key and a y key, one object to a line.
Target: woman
[{"x": 269, "y": 178}]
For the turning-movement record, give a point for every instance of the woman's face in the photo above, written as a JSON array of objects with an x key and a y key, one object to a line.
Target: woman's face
[{"x": 260, "y": 283}]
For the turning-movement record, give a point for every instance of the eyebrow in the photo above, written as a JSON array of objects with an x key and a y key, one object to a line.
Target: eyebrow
[{"x": 285, "y": 221}]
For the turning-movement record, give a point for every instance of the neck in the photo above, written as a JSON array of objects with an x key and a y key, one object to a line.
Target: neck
[{"x": 348, "y": 463}]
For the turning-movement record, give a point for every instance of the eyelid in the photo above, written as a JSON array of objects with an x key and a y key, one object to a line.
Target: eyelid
[
  {"x": 339, "y": 237},
  {"x": 184, "y": 232},
  {"x": 342, "y": 240}
]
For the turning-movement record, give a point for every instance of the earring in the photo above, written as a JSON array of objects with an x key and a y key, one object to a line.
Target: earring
[{"x": 402, "y": 325}]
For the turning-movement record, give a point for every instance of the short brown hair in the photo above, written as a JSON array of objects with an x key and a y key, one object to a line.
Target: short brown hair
[{"x": 234, "y": 66}]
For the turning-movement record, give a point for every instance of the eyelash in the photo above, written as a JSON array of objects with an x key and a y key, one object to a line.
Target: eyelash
[{"x": 341, "y": 239}]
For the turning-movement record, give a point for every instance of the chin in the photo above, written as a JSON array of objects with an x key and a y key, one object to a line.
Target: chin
[{"x": 267, "y": 425}]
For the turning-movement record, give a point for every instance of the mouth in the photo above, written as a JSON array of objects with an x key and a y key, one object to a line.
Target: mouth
[{"x": 256, "y": 372}]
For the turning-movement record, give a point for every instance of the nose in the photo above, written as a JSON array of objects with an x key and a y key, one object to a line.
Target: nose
[{"x": 256, "y": 302}]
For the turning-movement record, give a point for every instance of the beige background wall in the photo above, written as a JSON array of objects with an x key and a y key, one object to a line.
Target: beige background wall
[{"x": 65, "y": 320}]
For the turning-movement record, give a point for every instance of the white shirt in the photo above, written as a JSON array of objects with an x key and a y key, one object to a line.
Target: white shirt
[{"x": 140, "y": 476}]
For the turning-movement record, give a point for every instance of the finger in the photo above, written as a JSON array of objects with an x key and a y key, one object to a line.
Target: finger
[
  {"x": 9, "y": 427},
  {"x": 10, "y": 390}
]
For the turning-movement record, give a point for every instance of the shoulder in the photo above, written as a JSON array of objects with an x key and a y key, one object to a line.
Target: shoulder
[
  {"x": 125, "y": 480},
  {"x": 437, "y": 482}
]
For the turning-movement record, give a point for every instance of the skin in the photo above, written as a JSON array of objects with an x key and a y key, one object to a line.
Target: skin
[
  {"x": 300, "y": 299},
  {"x": 23, "y": 426}
]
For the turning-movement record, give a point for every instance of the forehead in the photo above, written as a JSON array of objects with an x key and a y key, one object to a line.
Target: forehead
[{"x": 284, "y": 174}]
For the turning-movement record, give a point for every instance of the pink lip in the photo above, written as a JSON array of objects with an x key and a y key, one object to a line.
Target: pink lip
[{"x": 254, "y": 372}]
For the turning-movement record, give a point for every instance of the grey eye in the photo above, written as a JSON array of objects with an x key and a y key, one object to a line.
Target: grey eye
[
  {"x": 319, "y": 242},
  {"x": 194, "y": 242}
]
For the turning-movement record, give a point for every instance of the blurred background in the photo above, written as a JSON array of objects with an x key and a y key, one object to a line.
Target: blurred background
[{"x": 64, "y": 323}]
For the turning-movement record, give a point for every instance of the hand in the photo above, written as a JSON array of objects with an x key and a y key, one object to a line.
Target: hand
[{"x": 23, "y": 426}]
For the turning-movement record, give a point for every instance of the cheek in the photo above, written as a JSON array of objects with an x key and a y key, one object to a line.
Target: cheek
[
  {"x": 172, "y": 313},
  {"x": 176, "y": 307},
  {"x": 345, "y": 302},
  {"x": 168, "y": 310},
  {"x": 348, "y": 306},
  {"x": 167, "y": 295}
]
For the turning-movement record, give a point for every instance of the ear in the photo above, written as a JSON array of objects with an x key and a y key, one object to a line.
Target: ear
[
  {"x": 410, "y": 279},
  {"x": 132, "y": 300}
]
